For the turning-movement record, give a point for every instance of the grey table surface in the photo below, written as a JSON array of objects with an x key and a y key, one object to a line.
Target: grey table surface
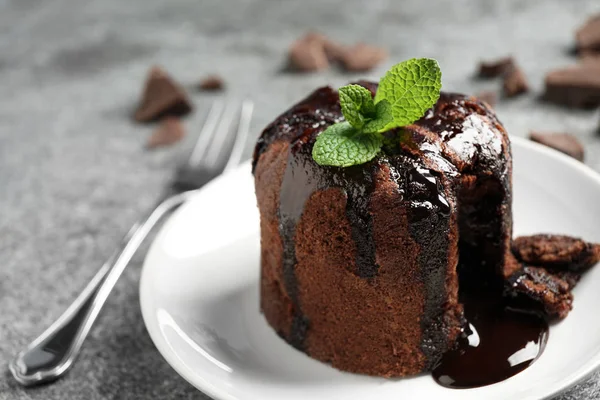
[{"x": 74, "y": 173}]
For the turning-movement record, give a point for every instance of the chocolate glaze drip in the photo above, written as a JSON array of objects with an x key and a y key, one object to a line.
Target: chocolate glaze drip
[
  {"x": 302, "y": 178},
  {"x": 302, "y": 122},
  {"x": 296, "y": 187},
  {"x": 428, "y": 215}
]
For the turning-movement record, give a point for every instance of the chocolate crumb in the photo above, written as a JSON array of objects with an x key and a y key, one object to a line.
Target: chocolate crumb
[
  {"x": 334, "y": 50},
  {"x": 211, "y": 83},
  {"x": 315, "y": 52},
  {"x": 558, "y": 252},
  {"x": 308, "y": 53},
  {"x": 588, "y": 36},
  {"x": 576, "y": 86},
  {"x": 538, "y": 285},
  {"x": 493, "y": 69},
  {"x": 572, "y": 278},
  {"x": 169, "y": 131},
  {"x": 489, "y": 97},
  {"x": 563, "y": 142},
  {"x": 362, "y": 57},
  {"x": 515, "y": 82},
  {"x": 162, "y": 96},
  {"x": 586, "y": 56}
]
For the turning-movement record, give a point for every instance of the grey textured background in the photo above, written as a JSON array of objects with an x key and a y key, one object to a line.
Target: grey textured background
[{"x": 74, "y": 174}]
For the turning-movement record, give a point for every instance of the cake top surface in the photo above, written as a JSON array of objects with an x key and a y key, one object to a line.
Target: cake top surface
[{"x": 459, "y": 134}]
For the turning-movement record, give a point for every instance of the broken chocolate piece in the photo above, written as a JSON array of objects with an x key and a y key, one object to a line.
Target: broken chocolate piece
[
  {"x": 589, "y": 56},
  {"x": 314, "y": 52},
  {"x": 515, "y": 82},
  {"x": 572, "y": 278},
  {"x": 588, "y": 36},
  {"x": 211, "y": 83},
  {"x": 161, "y": 97},
  {"x": 493, "y": 69},
  {"x": 169, "y": 131},
  {"x": 563, "y": 142},
  {"x": 334, "y": 51},
  {"x": 489, "y": 97},
  {"x": 575, "y": 86},
  {"x": 308, "y": 53},
  {"x": 362, "y": 57},
  {"x": 556, "y": 252},
  {"x": 540, "y": 286}
]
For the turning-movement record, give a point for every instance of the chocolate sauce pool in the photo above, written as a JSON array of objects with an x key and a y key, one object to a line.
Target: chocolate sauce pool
[{"x": 500, "y": 342}]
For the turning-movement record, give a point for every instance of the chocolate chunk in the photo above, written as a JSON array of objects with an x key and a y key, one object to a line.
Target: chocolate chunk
[
  {"x": 169, "y": 131},
  {"x": 563, "y": 142},
  {"x": 540, "y": 286},
  {"x": 588, "y": 36},
  {"x": 308, "y": 53},
  {"x": 511, "y": 266},
  {"x": 515, "y": 82},
  {"x": 314, "y": 52},
  {"x": 558, "y": 252},
  {"x": 334, "y": 51},
  {"x": 572, "y": 278},
  {"x": 211, "y": 83},
  {"x": 576, "y": 86},
  {"x": 162, "y": 96},
  {"x": 489, "y": 97},
  {"x": 362, "y": 57},
  {"x": 589, "y": 56},
  {"x": 493, "y": 69}
]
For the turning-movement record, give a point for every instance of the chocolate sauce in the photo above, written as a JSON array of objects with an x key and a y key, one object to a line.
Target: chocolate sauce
[
  {"x": 428, "y": 213},
  {"x": 296, "y": 188},
  {"x": 499, "y": 342}
]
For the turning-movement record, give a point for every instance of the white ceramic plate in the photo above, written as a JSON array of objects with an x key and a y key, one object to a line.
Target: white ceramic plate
[{"x": 199, "y": 297}]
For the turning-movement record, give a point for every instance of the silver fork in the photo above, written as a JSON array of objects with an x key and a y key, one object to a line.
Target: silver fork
[{"x": 50, "y": 355}]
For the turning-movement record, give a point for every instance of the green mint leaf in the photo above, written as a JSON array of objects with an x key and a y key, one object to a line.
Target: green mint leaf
[
  {"x": 357, "y": 104},
  {"x": 411, "y": 87},
  {"x": 342, "y": 145},
  {"x": 383, "y": 117}
]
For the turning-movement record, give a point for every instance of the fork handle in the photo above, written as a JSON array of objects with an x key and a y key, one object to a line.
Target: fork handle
[{"x": 50, "y": 355}]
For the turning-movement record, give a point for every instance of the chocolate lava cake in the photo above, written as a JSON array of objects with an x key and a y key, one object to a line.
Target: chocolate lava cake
[{"x": 359, "y": 264}]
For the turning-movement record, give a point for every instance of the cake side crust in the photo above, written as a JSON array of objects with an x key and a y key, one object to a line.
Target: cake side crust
[{"x": 275, "y": 302}]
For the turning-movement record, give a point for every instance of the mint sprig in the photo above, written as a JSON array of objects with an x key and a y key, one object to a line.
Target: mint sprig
[
  {"x": 382, "y": 118},
  {"x": 343, "y": 145},
  {"x": 411, "y": 87},
  {"x": 357, "y": 104},
  {"x": 405, "y": 93}
]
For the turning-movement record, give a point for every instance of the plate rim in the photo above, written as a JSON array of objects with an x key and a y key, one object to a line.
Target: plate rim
[{"x": 213, "y": 391}]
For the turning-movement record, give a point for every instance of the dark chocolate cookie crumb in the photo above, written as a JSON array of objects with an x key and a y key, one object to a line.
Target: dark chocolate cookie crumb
[
  {"x": 589, "y": 56},
  {"x": 162, "y": 96},
  {"x": 558, "y": 252},
  {"x": 211, "y": 83},
  {"x": 563, "y": 142},
  {"x": 572, "y": 278},
  {"x": 540, "y": 286},
  {"x": 588, "y": 36},
  {"x": 362, "y": 57},
  {"x": 496, "y": 68},
  {"x": 515, "y": 82},
  {"x": 169, "y": 131},
  {"x": 308, "y": 53},
  {"x": 576, "y": 86}
]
